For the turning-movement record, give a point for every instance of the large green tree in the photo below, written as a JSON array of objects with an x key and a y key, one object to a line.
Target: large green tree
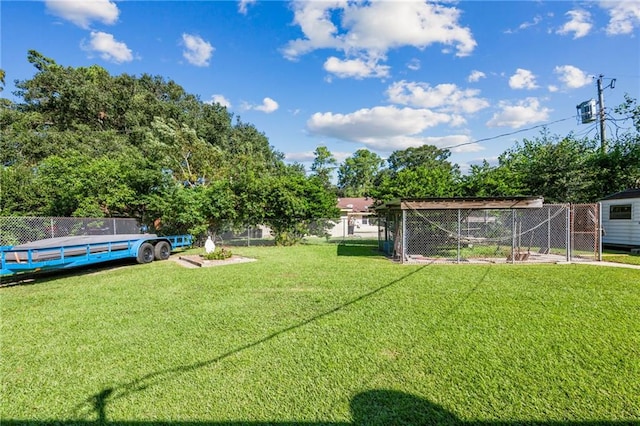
[
  {"x": 295, "y": 205},
  {"x": 356, "y": 175},
  {"x": 324, "y": 163},
  {"x": 416, "y": 173}
]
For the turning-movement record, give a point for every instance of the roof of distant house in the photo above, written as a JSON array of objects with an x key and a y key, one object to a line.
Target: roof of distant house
[
  {"x": 355, "y": 205},
  {"x": 623, "y": 195}
]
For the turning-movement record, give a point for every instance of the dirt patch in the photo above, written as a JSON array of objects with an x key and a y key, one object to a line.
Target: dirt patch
[{"x": 197, "y": 261}]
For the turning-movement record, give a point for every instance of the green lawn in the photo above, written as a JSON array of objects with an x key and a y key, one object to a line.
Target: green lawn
[
  {"x": 621, "y": 257},
  {"x": 324, "y": 334}
]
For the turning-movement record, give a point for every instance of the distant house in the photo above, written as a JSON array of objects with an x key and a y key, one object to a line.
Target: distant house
[
  {"x": 357, "y": 218},
  {"x": 621, "y": 218}
]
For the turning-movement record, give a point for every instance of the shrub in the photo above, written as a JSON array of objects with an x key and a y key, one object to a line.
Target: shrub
[{"x": 218, "y": 254}]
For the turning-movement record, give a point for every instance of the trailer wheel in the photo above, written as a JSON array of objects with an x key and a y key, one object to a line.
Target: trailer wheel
[
  {"x": 145, "y": 253},
  {"x": 162, "y": 250}
]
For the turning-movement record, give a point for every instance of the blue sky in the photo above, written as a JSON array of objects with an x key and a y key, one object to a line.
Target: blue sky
[{"x": 382, "y": 75}]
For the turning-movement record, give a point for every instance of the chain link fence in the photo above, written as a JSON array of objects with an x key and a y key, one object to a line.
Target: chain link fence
[
  {"x": 20, "y": 230},
  {"x": 586, "y": 232},
  {"x": 553, "y": 233}
]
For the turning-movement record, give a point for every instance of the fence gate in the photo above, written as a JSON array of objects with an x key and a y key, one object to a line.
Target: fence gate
[{"x": 585, "y": 232}]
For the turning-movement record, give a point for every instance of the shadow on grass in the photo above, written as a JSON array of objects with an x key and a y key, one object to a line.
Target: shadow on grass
[
  {"x": 98, "y": 403},
  {"x": 361, "y": 248},
  {"x": 378, "y": 407},
  {"x": 41, "y": 277}
]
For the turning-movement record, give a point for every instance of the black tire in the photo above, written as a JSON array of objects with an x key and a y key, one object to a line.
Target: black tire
[
  {"x": 162, "y": 250},
  {"x": 145, "y": 253}
]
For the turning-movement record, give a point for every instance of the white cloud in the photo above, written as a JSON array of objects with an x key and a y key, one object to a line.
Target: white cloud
[
  {"x": 455, "y": 143},
  {"x": 524, "y": 112},
  {"x": 552, "y": 88},
  {"x": 268, "y": 106},
  {"x": 536, "y": 20},
  {"x": 244, "y": 4},
  {"x": 356, "y": 68},
  {"x": 107, "y": 47},
  {"x": 624, "y": 16},
  {"x": 309, "y": 156},
  {"x": 414, "y": 64},
  {"x": 197, "y": 51},
  {"x": 444, "y": 97},
  {"x": 384, "y": 127},
  {"x": 300, "y": 157},
  {"x": 82, "y": 12},
  {"x": 523, "y": 79},
  {"x": 579, "y": 24},
  {"x": 572, "y": 77},
  {"x": 367, "y": 30},
  {"x": 475, "y": 76},
  {"x": 220, "y": 99}
]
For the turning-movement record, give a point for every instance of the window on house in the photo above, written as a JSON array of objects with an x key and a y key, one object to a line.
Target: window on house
[
  {"x": 365, "y": 221},
  {"x": 620, "y": 211}
]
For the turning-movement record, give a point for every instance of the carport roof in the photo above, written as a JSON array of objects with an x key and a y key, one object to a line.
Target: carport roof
[{"x": 463, "y": 203}]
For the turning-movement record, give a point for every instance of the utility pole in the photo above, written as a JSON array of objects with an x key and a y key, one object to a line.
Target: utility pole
[
  {"x": 611, "y": 85},
  {"x": 603, "y": 140}
]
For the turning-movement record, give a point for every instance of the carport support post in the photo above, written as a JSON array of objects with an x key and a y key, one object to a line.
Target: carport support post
[{"x": 404, "y": 235}]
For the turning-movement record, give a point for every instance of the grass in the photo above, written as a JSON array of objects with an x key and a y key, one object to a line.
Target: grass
[
  {"x": 621, "y": 257},
  {"x": 323, "y": 334}
]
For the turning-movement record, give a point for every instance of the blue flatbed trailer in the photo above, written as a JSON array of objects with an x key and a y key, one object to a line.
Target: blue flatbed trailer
[{"x": 75, "y": 251}]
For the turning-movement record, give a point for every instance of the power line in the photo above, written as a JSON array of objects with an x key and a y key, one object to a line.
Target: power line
[{"x": 509, "y": 134}]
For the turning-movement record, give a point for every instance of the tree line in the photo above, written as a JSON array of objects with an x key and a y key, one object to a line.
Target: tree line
[{"x": 81, "y": 142}]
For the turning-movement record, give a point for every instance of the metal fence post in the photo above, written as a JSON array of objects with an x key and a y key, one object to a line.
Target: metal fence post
[
  {"x": 548, "y": 229},
  {"x": 404, "y": 234},
  {"x": 568, "y": 234},
  {"x": 459, "y": 237},
  {"x": 599, "y": 227},
  {"x": 513, "y": 236}
]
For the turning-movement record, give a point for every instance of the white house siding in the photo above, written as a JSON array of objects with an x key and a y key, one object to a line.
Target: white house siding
[
  {"x": 341, "y": 229},
  {"x": 621, "y": 231}
]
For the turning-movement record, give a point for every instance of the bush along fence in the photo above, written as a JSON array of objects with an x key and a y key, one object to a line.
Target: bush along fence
[{"x": 551, "y": 233}]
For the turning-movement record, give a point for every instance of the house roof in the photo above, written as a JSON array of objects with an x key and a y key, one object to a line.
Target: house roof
[
  {"x": 623, "y": 195},
  {"x": 355, "y": 205},
  {"x": 463, "y": 203}
]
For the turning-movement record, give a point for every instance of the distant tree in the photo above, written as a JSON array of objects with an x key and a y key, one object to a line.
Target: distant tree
[
  {"x": 485, "y": 180},
  {"x": 553, "y": 167},
  {"x": 324, "y": 163},
  {"x": 357, "y": 173},
  {"x": 294, "y": 203},
  {"x": 619, "y": 167},
  {"x": 418, "y": 172},
  {"x": 426, "y": 155}
]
